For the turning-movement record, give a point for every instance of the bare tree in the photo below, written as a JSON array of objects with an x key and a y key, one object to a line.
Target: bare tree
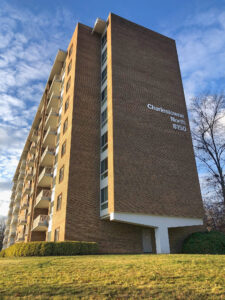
[{"x": 208, "y": 132}]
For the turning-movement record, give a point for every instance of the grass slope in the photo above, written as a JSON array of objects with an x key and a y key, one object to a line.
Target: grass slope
[{"x": 114, "y": 276}]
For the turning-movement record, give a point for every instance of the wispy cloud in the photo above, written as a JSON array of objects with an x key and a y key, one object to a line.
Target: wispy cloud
[
  {"x": 201, "y": 48},
  {"x": 28, "y": 45}
]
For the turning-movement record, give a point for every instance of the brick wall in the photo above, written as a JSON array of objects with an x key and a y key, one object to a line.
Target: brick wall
[
  {"x": 83, "y": 203},
  {"x": 154, "y": 166}
]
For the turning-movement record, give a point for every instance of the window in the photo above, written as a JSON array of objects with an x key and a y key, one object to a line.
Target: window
[
  {"x": 104, "y": 198},
  {"x": 104, "y": 168},
  {"x": 104, "y": 142},
  {"x": 104, "y": 117},
  {"x": 63, "y": 149},
  {"x": 66, "y": 105},
  {"x": 104, "y": 96},
  {"x": 68, "y": 84},
  {"x": 65, "y": 125},
  {"x": 104, "y": 56},
  {"x": 104, "y": 40},
  {"x": 104, "y": 75},
  {"x": 59, "y": 202},
  {"x": 69, "y": 67},
  {"x": 71, "y": 50},
  {"x": 61, "y": 174},
  {"x": 56, "y": 237}
]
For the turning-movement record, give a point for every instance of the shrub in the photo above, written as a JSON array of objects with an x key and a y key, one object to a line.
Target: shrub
[
  {"x": 50, "y": 248},
  {"x": 205, "y": 243}
]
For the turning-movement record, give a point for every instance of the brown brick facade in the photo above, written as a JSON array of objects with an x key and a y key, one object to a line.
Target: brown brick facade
[{"x": 154, "y": 166}]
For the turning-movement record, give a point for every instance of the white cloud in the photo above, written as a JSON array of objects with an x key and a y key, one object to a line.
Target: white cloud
[
  {"x": 28, "y": 45},
  {"x": 200, "y": 42}
]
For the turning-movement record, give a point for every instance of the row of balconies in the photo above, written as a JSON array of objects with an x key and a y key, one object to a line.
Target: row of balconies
[{"x": 22, "y": 185}]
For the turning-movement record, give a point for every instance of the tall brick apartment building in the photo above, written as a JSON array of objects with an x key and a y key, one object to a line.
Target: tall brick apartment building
[{"x": 109, "y": 157}]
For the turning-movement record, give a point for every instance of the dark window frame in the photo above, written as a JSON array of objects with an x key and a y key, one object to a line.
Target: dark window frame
[
  {"x": 65, "y": 125},
  {"x": 63, "y": 148},
  {"x": 59, "y": 202},
  {"x": 56, "y": 234},
  {"x": 61, "y": 174}
]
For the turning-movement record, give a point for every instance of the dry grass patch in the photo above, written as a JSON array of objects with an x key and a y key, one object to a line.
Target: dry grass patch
[{"x": 114, "y": 276}]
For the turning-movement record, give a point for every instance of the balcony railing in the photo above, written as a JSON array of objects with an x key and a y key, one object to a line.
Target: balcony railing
[
  {"x": 34, "y": 136},
  {"x": 20, "y": 238},
  {"x": 55, "y": 85},
  {"x": 45, "y": 178},
  {"x": 30, "y": 161},
  {"x": 19, "y": 186},
  {"x": 52, "y": 118},
  {"x": 23, "y": 220},
  {"x": 21, "y": 175},
  {"x": 14, "y": 220},
  {"x": 40, "y": 223},
  {"x": 33, "y": 147},
  {"x": 29, "y": 175},
  {"x": 25, "y": 203},
  {"x": 27, "y": 188},
  {"x": 23, "y": 165},
  {"x": 6, "y": 230},
  {"x": 16, "y": 208},
  {"x": 48, "y": 156},
  {"x": 26, "y": 230},
  {"x": 43, "y": 199},
  {"x": 50, "y": 137},
  {"x": 18, "y": 196}
]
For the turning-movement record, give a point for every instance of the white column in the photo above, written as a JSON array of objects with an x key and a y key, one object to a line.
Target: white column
[{"x": 162, "y": 240}]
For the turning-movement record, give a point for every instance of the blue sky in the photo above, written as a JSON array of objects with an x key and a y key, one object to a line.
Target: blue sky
[{"x": 31, "y": 31}]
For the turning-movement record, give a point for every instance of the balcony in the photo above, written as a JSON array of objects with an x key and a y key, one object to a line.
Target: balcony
[
  {"x": 29, "y": 175},
  {"x": 53, "y": 102},
  {"x": 11, "y": 241},
  {"x": 21, "y": 175},
  {"x": 33, "y": 147},
  {"x": 16, "y": 208},
  {"x": 20, "y": 238},
  {"x": 23, "y": 165},
  {"x": 5, "y": 242},
  {"x": 46, "y": 177},
  {"x": 13, "y": 195},
  {"x": 10, "y": 211},
  {"x": 8, "y": 222},
  {"x": 40, "y": 223},
  {"x": 52, "y": 118},
  {"x": 6, "y": 230},
  {"x": 26, "y": 231},
  {"x": 40, "y": 123},
  {"x": 48, "y": 157},
  {"x": 25, "y": 203},
  {"x": 19, "y": 186},
  {"x": 14, "y": 220},
  {"x": 43, "y": 199},
  {"x": 23, "y": 220},
  {"x": 50, "y": 137},
  {"x": 56, "y": 85},
  {"x": 27, "y": 188},
  {"x": 18, "y": 196},
  {"x": 34, "y": 136},
  {"x": 30, "y": 161}
]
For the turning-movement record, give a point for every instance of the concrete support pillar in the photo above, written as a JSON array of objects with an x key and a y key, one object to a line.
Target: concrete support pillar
[{"x": 162, "y": 240}]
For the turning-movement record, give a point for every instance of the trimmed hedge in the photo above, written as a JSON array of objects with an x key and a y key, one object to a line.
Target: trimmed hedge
[
  {"x": 50, "y": 248},
  {"x": 205, "y": 243}
]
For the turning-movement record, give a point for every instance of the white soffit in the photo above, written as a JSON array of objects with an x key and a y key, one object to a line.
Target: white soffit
[
  {"x": 155, "y": 221},
  {"x": 99, "y": 26}
]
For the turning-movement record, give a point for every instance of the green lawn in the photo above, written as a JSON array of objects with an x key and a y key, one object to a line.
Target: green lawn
[{"x": 114, "y": 276}]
